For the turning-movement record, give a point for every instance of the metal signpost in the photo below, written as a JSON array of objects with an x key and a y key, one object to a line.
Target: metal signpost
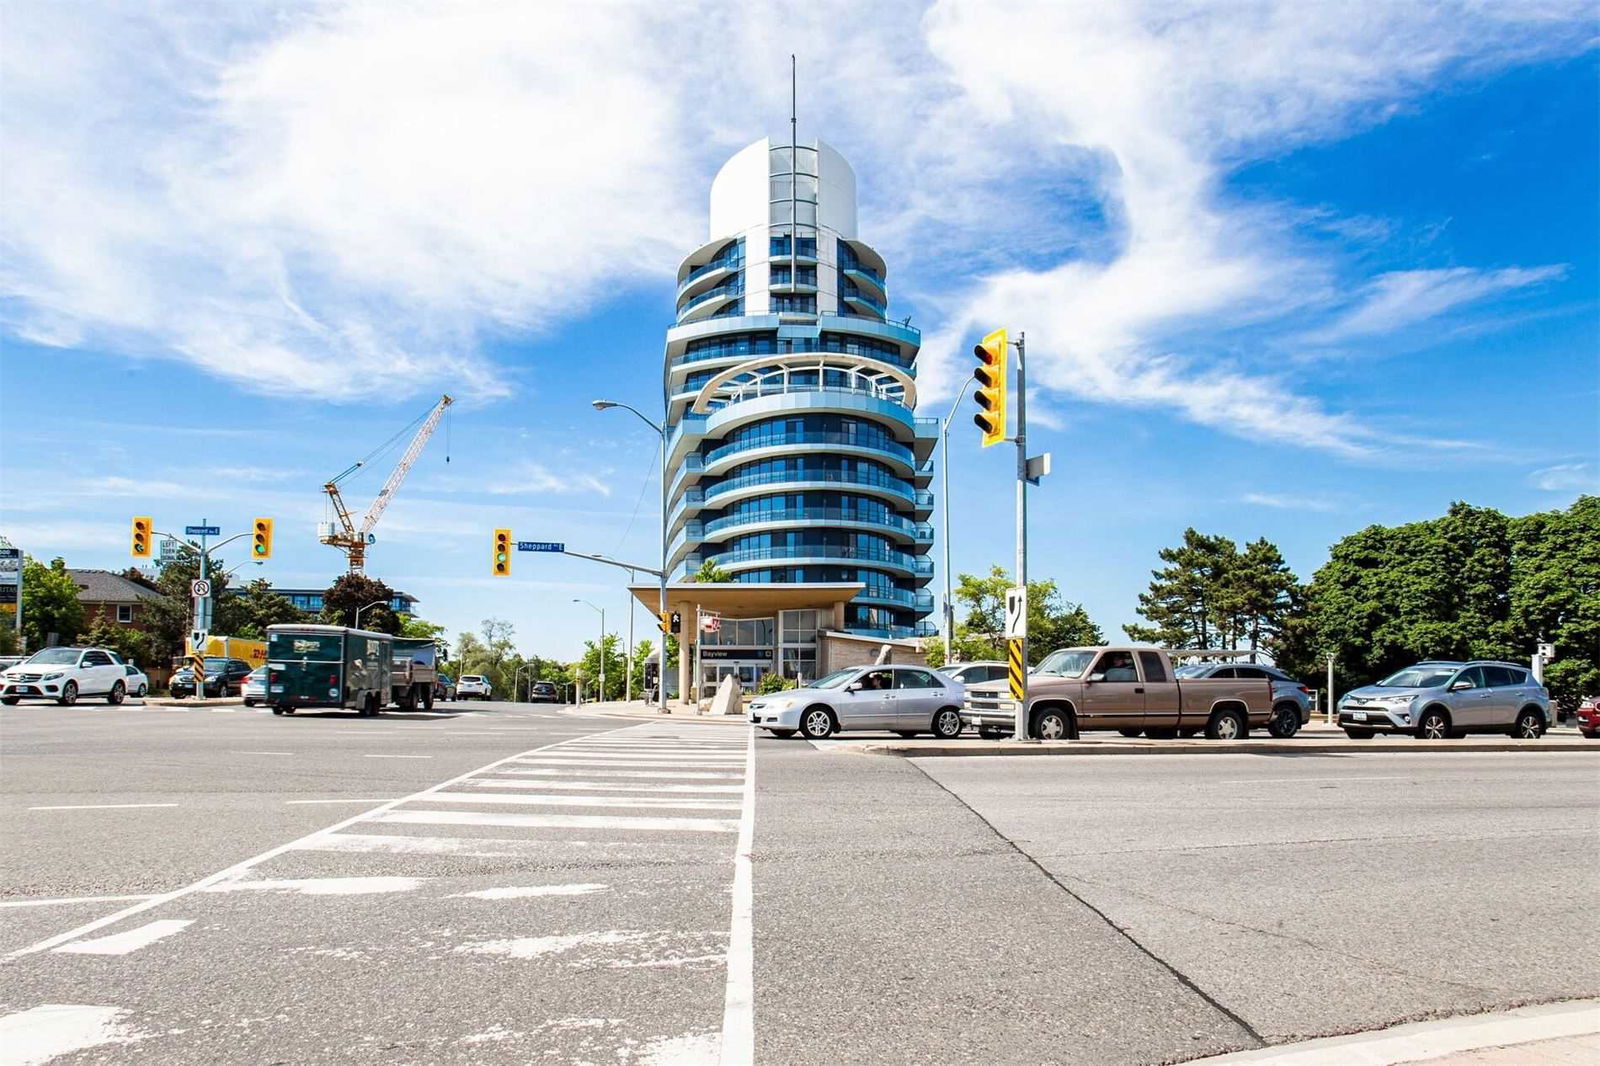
[{"x": 1016, "y": 652}]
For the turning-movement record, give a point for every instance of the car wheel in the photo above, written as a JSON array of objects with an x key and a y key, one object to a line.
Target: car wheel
[
  {"x": 1131, "y": 733},
  {"x": 69, "y": 694},
  {"x": 907, "y": 733},
  {"x": 1433, "y": 725},
  {"x": 817, "y": 723},
  {"x": 1052, "y": 723},
  {"x": 1530, "y": 725},
  {"x": 1226, "y": 725},
  {"x": 1285, "y": 722},
  {"x": 10, "y": 701},
  {"x": 947, "y": 724},
  {"x": 1358, "y": 734},
  {"x": 140, "y": 694},
  {"x": 277, "y": 710},
  {"x": 782, "y": 734},
  {"x": 118, "y": 693}
]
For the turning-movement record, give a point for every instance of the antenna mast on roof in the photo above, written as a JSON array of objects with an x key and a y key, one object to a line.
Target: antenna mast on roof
[{"x": 794, "y": 185}]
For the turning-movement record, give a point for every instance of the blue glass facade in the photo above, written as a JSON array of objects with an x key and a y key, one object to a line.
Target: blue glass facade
[{"x": 795, "y": 453}]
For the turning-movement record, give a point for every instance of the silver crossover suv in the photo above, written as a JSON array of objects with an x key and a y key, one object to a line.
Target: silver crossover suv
[
  {"x": 899, "y": 699},
  {"x": 1435, "y": 700}
]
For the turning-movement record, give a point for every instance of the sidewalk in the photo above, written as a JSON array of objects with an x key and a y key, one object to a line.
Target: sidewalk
[{"x": 1551, "y": 1034}]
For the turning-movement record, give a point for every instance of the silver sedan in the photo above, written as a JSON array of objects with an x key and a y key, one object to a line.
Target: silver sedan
[{"x": 906, "y": 700}]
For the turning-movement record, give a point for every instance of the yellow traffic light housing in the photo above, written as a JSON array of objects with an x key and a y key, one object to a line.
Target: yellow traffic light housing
[
  {"x": 665, "y": 621},
  {"x": 501, "y": 564},
  {"x": 261, "y": 539},
  {"x": 992, "y": 383},
  {"x": 142, "y": 536}
]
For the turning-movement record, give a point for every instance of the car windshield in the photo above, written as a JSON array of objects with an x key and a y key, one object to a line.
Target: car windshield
[
  {"x": 216, "y": 664},
  {"x": 258, "y": 674},
  {"x": 837, "y": 679},
  {"x": 1065, "y": 663},
  {"x": 56, "y": 657},
  {"x": 1418, "y": 677}
]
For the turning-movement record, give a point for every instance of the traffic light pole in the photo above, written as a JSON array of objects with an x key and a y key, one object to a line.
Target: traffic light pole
[{"x": 1021, "y": 723}]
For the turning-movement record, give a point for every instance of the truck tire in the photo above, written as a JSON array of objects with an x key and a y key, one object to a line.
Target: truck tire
[
  {"x": 1054, "y": 723},
  {"x": 1131, "y": 733},
  {"x": 1226, "y": 725},
  {"x": 427, "y": 698}
]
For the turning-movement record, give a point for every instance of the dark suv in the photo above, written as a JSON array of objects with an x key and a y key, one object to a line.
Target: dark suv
[
  {"x": 224, "y": 677},
  {"x": 544, "y": 692}
]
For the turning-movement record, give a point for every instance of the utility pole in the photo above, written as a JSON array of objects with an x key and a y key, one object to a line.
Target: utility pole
[
  {"x": 1017, "y": 647},
  {"x": 949, "y": 595}
]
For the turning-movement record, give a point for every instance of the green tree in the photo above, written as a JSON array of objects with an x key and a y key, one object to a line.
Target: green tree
[
  {"x": 1190, "y": 595},
  {"x": 419, "y": 628},
  {"x": 1555, "y": 594},
  {"x": 1052, "y": 621},
  {"x": 133, "y": 645},
  {"x": 615, "y": 666},
  {"x": 710, "y": 572},
  {"x": 51, "y": 610},
  {"x": 10, "y": 643},
  {"x": 354, "y": 591}
]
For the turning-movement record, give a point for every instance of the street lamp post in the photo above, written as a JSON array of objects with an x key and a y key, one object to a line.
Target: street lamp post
[
  {"x": 374, "y": 603},
  {"x": 661, "y": 605},
  {"x": 949, "y": 604},
  {"x": 601, "y": 647}
]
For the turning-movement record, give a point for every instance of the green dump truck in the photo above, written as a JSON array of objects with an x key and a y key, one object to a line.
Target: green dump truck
[{"x": 314, "y": 666}]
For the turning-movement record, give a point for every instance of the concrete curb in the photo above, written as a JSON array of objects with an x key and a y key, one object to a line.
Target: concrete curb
[
  {"x": 1431, "y": 1040},
  {"x": 981, "y": 748},
  {"x": 637, "y": 713},
  {"x": 172, "y": 701}
]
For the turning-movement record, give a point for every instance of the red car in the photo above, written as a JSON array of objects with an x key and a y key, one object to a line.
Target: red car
[{"x": 1589, "y": 717}]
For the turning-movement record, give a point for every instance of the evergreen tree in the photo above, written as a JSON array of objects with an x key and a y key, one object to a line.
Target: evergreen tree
[{"x": 355, "y": 591}]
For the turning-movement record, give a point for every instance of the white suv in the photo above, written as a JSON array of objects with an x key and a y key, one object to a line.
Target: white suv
[
  {"x": 64, "y": 674},
  {"x": 472, "y": 686}
]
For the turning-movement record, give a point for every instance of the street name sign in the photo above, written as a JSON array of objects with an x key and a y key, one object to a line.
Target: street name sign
[
  {"x": 540, "y": 546},
  {"x": 202, "y": 531}
]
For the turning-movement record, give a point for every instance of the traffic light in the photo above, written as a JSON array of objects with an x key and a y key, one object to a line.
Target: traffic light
[
  {"x": 991, "y": 395},
  {"x": 142, "y": 537},
  {"x": 261, "y": 539},
  {"x": 669, "y": 621},
  {"x": 502, "y": 553}
]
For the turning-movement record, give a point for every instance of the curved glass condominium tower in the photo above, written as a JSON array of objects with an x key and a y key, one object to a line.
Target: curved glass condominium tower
[{"x": 795, "y": 453}]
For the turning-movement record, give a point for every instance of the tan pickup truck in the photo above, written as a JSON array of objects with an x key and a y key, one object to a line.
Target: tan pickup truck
[{"x": 1131, "y": 690}]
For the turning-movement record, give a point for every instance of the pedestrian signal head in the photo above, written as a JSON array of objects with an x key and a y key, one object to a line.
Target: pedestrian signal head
[
  {"x": 142, "y": 535},
  {"x": 261, "y": 539},
  {"x": 501, "y": 564},
  {"x": 990, "y": 374}
]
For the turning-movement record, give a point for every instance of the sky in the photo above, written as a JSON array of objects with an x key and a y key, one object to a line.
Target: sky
[{"x": 1285, "y": 270}]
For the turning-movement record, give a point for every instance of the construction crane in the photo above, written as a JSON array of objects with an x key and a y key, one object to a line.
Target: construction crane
[{"x": 344, "y": 534}]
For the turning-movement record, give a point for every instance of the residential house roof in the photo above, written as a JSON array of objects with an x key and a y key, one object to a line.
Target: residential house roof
[{"x": 103, "y": 586}]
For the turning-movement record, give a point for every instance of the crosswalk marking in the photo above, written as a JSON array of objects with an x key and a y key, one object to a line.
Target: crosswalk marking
[
  {"x": 694, "y": 775},
  {"x": 579, "y": 801},
  {"x": 123, "y": 943},
  {"x": 605, "y": 786},
  {"x": 559, "y": 821}
]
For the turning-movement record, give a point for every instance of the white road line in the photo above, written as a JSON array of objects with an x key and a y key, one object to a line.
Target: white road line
[
  {"x": 68, "y": 900},
  {"x": 260, "y": 753},
  {"x": 738, "y": 1008},
  {"x": 640, "y": 802},
  {"x": 471, "y": 847},
  {"x": 532, "y": 890},
  {"x": 559, "y": 821},
  {"x": 655, "y": 775},
  {"x": 1310, "y": 780},
  {"x": 702, "y": 764},
  {"x": 324, "y": 886},
  {"x": 596, "y": 786},
  {"x": 46, "y": 1032},
  {"x": 123, "y": 943},
  {"x": 102, "y": 806},
  {"x": 397, "y": 756},
  {"x": 240, "y": 867}
]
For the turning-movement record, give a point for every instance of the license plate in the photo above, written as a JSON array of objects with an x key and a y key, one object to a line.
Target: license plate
[
  {"x": 1360, "y": 716},
  {"x": 277, "y": 688}
]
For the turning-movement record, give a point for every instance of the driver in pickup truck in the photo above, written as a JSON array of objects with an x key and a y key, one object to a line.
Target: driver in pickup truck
[{"x": 1118, "y": 666}]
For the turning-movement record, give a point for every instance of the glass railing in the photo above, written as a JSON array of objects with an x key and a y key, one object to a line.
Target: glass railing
[
  {"x": 731, "y": 262},
  {"x": 866, "y": 272},
  {"x": 816, "y": 514},
  {"x": 924, "y": 498},
  {"x": 778, "y": 386},
  {"x": 917, "y": 601},
  {"x": 774, "y": 440},
  {"x": 857, "y": 295},
  {"x": 721, "y": 292},
  {"x": 914, "y": 563},
  {"x": 827, "y": 477},
  {"x": 734, "y": 352}
]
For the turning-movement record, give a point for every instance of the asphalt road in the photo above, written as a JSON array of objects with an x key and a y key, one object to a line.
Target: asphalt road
[{"x": 505, "y": 884}]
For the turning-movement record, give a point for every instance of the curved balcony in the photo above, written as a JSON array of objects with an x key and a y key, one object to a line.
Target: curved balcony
[
  {"x": 906, "y": 598},
  {"x": 715, "y": 268},
  {"x": 858, "y": 297},
  {"x": 921, "y": 629},
  {"x": 851, "y": 441},
  {"x": 912, "y": 532},
  {"x": 800, "y": 480},
  {"x": 861, "y": 272},
  {"x": 704, "y": 305},
  {"x": 914, "y": 565}
]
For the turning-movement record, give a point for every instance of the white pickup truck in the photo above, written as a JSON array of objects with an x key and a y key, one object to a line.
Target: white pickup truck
[{"x": 1130, "y": 689}]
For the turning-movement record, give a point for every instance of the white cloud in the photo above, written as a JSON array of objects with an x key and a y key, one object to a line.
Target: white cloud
[
  {"x": 1566, "y": 477},
  {"x": 1404, "y": 297},
  {"x": 531, "y": 478},
  {"x": 1286, "y": 502}
]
